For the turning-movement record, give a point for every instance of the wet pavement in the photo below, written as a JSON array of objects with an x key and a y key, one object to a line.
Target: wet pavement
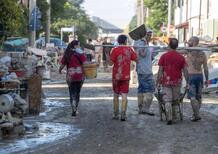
[
  {"x": 94, "y": 132},
  {"x": 47, "y": 133}
]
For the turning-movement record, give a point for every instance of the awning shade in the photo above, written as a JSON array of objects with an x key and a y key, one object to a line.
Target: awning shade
[{"x": 182, "y": 25}]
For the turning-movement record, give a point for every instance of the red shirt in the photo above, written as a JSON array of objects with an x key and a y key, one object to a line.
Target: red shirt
[
  {"x": 74, "y": 68},
  {"x": 172, "y": 63},
  {"x": 121, "y": 56}
]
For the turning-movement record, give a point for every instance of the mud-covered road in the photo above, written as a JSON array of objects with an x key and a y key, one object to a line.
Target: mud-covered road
[{"x": 94, "y": 132}]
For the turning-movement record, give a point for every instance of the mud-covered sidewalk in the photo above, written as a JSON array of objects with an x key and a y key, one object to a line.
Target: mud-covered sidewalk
[{"x": 93, "y": 131}]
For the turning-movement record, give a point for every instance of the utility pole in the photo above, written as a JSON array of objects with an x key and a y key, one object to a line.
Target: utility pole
[
  {"x": 32, "y": 36},
  {"x": 169, "y": 16},
  {"x": 199, "y": 21},
  {"x": 140, "y": 12},
  {"x": 48, "y": 22}
]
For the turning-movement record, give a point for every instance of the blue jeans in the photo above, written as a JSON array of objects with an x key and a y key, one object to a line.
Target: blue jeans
[
  {"x": 146, "y": 83},
  {"x": 196, "y": 85}
]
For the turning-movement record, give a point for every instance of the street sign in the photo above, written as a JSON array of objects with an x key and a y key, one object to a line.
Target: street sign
[
  {"x": 67, "y": 29},
  {"x": 35, "y": 23}
]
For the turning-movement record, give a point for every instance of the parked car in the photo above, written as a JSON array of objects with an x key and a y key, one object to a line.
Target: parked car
[
  {"x": 15, "y": 44},
  {"x": 40, "y": 43}
]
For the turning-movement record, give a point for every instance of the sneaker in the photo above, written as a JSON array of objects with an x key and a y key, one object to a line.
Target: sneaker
[
  {"x": 194, "y": 119},
  {"x": 123, "y": 116},
  {"x": 170, "y": 122},
  {"x": 148, "y": 113},
  {"x": 115, "y": 117},
  {"x": 73, "y": 113}
]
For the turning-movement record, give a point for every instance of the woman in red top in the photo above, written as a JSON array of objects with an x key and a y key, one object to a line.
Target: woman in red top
[{"x": 73, "y": 59}]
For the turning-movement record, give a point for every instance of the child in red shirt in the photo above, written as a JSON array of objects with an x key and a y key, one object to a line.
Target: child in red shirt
[{"x": 121, "y": 58}]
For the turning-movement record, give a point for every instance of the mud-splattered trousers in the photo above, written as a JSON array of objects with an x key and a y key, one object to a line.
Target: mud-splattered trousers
[
  {"x": 74, "y": 90},
  {"x": 195, "y": 92},
  {"x": 146, "y": 89},
  {"x": 171, "y": 95}
]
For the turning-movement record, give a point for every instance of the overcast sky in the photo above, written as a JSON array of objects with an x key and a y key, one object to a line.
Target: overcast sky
[{"x": 117, "y": 12}]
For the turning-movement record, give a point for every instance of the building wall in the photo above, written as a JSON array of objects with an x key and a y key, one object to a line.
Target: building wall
[
  {"x": 202, "y": 18},
  {"x": 24, "y": 2},
  {"x": 213, "y": 9}
]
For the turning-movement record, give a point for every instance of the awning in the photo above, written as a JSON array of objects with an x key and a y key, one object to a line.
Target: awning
[
  {"x": 182, "y": 25},
  {"x": 38, "y": 52}
]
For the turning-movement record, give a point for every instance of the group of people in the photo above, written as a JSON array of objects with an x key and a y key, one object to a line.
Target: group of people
[
  {"x": 100, "y": 51},
  {"x": 172, "y": 66}
]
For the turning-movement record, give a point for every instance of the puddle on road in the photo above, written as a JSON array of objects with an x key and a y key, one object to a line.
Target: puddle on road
[
  {"x": 47, "y": 133},
  {"x": 49, "y": 105},
  {"x": 211, "y": 108}
]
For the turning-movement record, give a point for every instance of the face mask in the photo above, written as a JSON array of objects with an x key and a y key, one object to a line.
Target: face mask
[{"x": 79, "y": 50}]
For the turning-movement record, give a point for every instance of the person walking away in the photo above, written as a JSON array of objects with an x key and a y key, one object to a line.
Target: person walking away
[
  {"x": 171, "y": 66},
  {"x": 73, "y": 59},
  {"x": 106, "y": 52},
  {"x": 121, "y": 58},
  {"x": 97, "y": 52},
  {"x": 148, "y": 36},
  {"x": 197, "y": 62},
  {"x": 146, "y": 85},
  {"x": 89, "y": 52}
]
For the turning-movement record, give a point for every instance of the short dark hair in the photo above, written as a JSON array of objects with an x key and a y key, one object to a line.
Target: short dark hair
[
  {"x": 73, "y": 43},
  {"x": 121, "y": 39},
  {"x": 173, "y": 43},
  {"x": 90, "y": 40}
]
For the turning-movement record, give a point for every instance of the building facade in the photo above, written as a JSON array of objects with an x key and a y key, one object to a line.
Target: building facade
[{"x": 196, "y": 18}]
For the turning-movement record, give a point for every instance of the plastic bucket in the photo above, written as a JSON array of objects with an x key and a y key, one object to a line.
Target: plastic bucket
[{"x": 90, "y": 70}]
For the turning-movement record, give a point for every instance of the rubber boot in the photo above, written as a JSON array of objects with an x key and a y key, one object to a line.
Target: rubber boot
[
  {"x": 116, "y": 107},
  {"x": 168, "y": 107},
  {"x": 148, "y": 97},
  {"x": 140, "y": 102},
  {"x": 195, "y": 106},
  {"x": 73, "y": 107},
  {"x": 124, "y": 108},
  {"x": 199, "y": 104},
  {"x": 174, "y": 112}
]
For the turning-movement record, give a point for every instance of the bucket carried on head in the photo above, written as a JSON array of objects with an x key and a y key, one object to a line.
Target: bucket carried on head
[{"x": 90, "y": 70}]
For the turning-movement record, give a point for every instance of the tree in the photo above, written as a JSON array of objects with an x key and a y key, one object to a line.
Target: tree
[
  {"x": 43, "y": 7},
  {"x": 157, "y": 14},
  {"x": 12, "y": 18},
  {"x": 73, "y": 15}
]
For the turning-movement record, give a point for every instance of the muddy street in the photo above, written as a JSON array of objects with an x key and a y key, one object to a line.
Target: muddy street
[{"x": 93, "y": 131}]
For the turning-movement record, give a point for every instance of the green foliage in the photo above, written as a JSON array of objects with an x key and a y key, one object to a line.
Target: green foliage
[
  {"x": 73, "y": 15},
  {"x": 157, "y": 15},
  {"x": 13, "y": 17},
  {"x": 64, "y": 13},
  {"x": 133, "y": 23},
  {"x": 43, "y": 7},
  {"x": 57, "y": 9}
]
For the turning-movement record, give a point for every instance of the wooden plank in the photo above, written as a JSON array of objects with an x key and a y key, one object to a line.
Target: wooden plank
[{"x": 35, "y": 92}]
